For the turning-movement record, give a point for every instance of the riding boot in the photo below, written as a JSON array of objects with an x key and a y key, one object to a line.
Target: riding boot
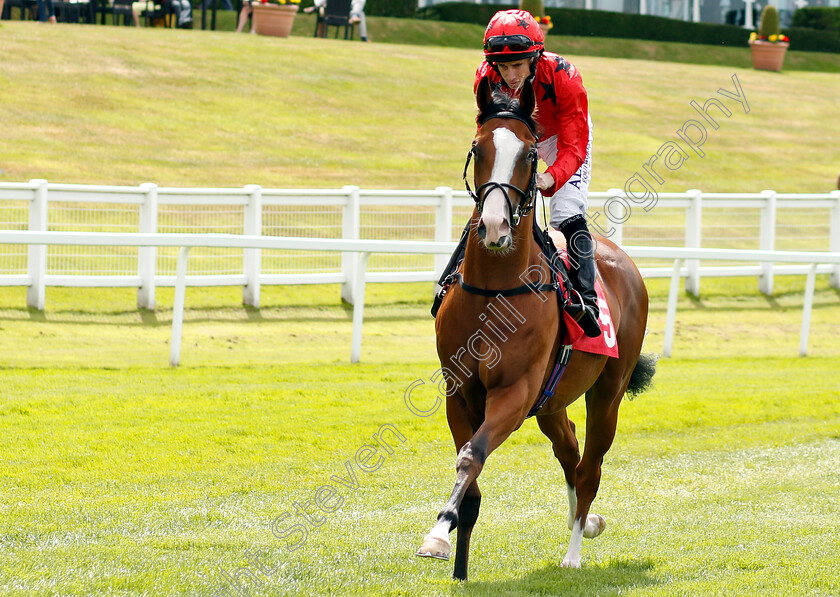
[
  {"x": 581, "y": 251},
  {"x": 451, "y": 267}
]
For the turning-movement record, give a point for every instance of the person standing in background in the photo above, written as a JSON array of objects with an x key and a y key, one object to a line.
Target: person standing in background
[
  {"x": 46, "y": 11},
  {"x": 357, "y": 15}
]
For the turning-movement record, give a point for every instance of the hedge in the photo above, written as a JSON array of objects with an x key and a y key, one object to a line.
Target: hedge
[
  {"x": 812, "y": 40},
  {"x": 601, "y": 23},
  {"x": 818, "y": 17},
  {"x": 402, "y": 9}
]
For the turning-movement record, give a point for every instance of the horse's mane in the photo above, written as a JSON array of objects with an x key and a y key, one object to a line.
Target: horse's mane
[{"x": 505, "y": 102}]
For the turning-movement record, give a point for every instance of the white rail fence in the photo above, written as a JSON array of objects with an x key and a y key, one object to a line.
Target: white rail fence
[
  {"x": 361, "y": 250},
  {"x": 752, "y": 221}
]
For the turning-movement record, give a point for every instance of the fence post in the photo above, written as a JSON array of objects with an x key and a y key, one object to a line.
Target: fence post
[
  {"x": 178, "y": 306},
  {"x": 147, "y": 256},
  {"x": 693, "y": 235},
  {"x": 807, "y": 305},
  {"x": 251, "y": 257},
  {"x": 767, "y": 240},
  {"x": 359, "y": 308},
  {"x": 350, "y": 223},
  {"x": 36, "y": 292},
  {"x": 834, "y": 237},
  {"x": 671, "y": 314},
  {"x": 443, "y": 225}
]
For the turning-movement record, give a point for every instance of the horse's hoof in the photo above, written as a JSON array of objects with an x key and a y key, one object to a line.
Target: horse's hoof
[
  {"x": 595, "y": 525},
  {"x": 568, "y": 563},
  {"x": 435, "y": 547}
]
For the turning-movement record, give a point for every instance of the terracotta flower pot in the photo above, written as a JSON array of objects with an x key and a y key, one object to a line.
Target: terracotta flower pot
[
  {"x": 768, "y": 55},
  {"x": 545, "y": 27},
  {"x": 274, "y": 19}
]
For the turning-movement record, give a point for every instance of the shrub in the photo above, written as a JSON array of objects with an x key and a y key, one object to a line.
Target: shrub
[
  {"x": 600, "y": 23},
  {"x": 769, "y": 22},
  {"x": 535, "y": 7},
  {"x": 462, "y": 12},
  {"x": 402, "y": 9},
  {"x": 813, "y": 40},
  {"x": 818, "y": 17}
]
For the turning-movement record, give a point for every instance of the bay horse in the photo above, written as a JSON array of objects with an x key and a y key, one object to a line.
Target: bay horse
[{"x": 496, "y": 367}]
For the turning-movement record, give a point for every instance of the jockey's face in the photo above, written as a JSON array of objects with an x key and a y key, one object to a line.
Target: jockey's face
[{"x": 515, "y": 73}]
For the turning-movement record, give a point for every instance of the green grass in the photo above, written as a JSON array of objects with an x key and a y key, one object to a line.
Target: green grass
[
  {"x": 310, "y": 324},
  {"x": 119, "y": 105},
  {"x": 122, "y": 476}
]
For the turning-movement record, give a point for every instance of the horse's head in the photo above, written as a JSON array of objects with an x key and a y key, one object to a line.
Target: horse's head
[{"x": 505, "y": 163}]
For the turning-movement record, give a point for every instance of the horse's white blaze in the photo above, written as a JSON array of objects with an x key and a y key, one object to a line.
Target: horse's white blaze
[
  {"x": 508, "y": 148},
  {"x": 494, "y": 216}
]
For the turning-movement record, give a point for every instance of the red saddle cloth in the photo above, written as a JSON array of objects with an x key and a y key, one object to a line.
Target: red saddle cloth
[{"x": 606, "y": 343}]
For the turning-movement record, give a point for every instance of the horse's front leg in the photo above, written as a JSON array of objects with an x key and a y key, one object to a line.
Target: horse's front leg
[
  {"x": 503, "y": 417},
  {"x": 468, "y": 465},
  {"x": 467, "y": 517}
]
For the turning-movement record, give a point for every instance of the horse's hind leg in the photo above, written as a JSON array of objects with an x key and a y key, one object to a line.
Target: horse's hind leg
[
  {"x": 602, "y": 402},
  {"x": 561, "y": 431}
]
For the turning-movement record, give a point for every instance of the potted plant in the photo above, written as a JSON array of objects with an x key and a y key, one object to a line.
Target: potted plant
[
  {"x": 535, "y": 7},
  {"x": 275, "y": 17},
  {"x": 769, "y": 45}
]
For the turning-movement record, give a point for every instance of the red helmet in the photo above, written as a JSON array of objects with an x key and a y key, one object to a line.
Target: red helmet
[{"x": 512, "y": 35}]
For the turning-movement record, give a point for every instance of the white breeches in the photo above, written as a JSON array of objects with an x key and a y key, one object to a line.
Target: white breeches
[{"x": 572, "y": 198}]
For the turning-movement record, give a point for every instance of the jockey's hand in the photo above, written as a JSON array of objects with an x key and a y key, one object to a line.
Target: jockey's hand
[{"x": 544, "y": 181}]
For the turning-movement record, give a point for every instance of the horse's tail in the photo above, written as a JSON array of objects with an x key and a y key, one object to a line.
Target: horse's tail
[{"x": 642, "y": 375}]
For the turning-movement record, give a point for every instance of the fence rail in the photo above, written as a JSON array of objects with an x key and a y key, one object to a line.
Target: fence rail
[
  {"x": 361, "y": 250},
  {"x": 763, "y": 221}
]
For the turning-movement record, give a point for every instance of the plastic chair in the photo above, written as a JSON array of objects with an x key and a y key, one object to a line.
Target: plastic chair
[
  {"x": 162, "y": 10},
  {"x": 336, "y": 13},
  {"x": 120, "y": 8}
]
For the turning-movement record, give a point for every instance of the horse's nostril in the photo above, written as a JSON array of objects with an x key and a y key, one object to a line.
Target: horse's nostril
[{"x": 481, "y": 231}]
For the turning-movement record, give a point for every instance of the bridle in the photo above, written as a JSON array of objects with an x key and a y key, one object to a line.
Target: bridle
[{"x": 528, "y": 195}]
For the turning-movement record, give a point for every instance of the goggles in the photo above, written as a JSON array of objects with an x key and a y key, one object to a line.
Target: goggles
[{"x": 514, "y": 43}]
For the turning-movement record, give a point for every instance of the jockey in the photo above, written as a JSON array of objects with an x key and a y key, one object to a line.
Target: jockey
[{"x": 514, "y": 51}]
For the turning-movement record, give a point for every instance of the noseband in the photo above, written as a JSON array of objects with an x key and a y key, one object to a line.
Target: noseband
[{"x": 528, "y": 195}]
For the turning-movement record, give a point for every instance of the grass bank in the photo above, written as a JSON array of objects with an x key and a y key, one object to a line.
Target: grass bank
[
  {"x": 214, "y": 109},
  {"x": 467, "y": 36}
]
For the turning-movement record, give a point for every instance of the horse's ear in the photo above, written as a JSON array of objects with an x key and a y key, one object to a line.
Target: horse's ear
[
  {"x": 483, "y": 94},
  {"x": 528, "y": 99}
]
